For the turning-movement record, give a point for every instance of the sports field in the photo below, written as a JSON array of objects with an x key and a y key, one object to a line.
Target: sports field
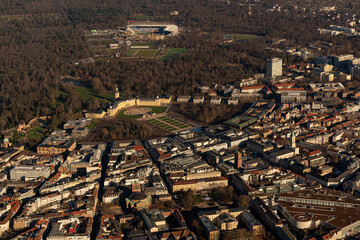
[
  {"x": 237, "y": 37},
  {"x": 143, "y": 50},
  {"x": 142, "y": 53},
  {"x": 172, "y": 53}
]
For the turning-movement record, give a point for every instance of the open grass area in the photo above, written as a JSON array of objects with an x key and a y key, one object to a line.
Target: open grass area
[
  {"x": 149, "y": 44},
  {"x": 35, "y": 133},
  {"x": 176, "y": 50},
  {"x": 162, "y": 125},
  {"x": 156, "y": 110},
  {"x": 137, "y": 50},
  {"x": 15, "y": 17},
  {"x": 172, "y": 53},
  {"x": 141, "y": 17},
  {"x": 168, "y": 123},
  {"x": 240, "y": 36},
  {"x": 197, "y": 198},
  {"x": 86, "y": 93},
  {"x": 121, "y": 115},
  {"x": 155, "y": 122},
  {"x": 93, "y": 124},
  {"x": 142, "y": 53},
  {"x": 171, "y": 129},
  {"x": 181, "y": 125},
  {"x": 147, "y": 53}
]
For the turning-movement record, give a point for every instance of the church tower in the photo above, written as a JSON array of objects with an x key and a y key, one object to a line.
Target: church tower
[
  {"x": 293, "y": 140},
  {"x": 117, "y": 94}
]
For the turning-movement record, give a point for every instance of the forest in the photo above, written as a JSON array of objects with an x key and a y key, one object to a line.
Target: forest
[
  {"x": 116, "y": 129},
  {"x": 207, "y": 113},
  {"x": 39, "y": 39}
]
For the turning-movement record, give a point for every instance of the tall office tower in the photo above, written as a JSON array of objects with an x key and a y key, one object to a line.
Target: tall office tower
[{"x": 274, "y": 67}]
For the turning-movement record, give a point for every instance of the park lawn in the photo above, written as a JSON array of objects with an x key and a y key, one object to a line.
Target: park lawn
[
  {"x": 165, "y": 122},
  {"x": 170, "y": 129},
  {"x": 35, "y": 133},
  {"x": 156, "y": 110},
  {"x": 197, "y": 198},
  {"x": 156, "y": 122},
  {"x": 162, "y": 125},
  {"x": 86, "y": 93},
  {"x": 166, "y": 119},
  {"x": 121, "y": 115},
  {"x": 93, "y": 124},
  {"x": 173, "y": 122},
  {"x": 168, "y": 126},
  {"x": 180, "y": 125}
]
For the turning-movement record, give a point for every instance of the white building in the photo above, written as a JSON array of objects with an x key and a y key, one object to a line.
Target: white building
[
  {"x": 29, "y": 172},
  {"x": 274, "y": 67}
]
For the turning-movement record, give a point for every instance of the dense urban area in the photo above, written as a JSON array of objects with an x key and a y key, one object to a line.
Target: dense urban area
[{"x": 179, "y": 120}]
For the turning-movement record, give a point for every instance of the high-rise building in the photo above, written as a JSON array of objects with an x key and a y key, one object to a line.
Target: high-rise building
[{"x": 274, "y": 67}]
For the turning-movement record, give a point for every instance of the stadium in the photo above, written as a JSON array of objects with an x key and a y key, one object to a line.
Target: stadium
[{"x": 153, "y": 29}]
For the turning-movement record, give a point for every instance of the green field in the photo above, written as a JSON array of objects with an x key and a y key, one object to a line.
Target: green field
[
  {"x": 156, "y": 110},
  {"x": 86, "y": 93},
  {"x": 172, "y": 53},
  {"x": 197, "y": 198},
  {"x": 35, "y": 133},
  {"x": 93, "y": 124},
  {"x": 168, "y": 123},
  {"x": 162, "y": 125},
  {"x": 141, "y": 17},
  {"x": 142, "y": 53},
  {"x": 149, "y": 44},
  {"x": 240, "y": 36},
  {"x": 121, "y": 115},
  {"x": 14, "y": 17}
]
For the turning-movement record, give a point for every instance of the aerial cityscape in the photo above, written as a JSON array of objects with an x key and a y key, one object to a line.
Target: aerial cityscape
[{"x": 179, "y": 120}]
